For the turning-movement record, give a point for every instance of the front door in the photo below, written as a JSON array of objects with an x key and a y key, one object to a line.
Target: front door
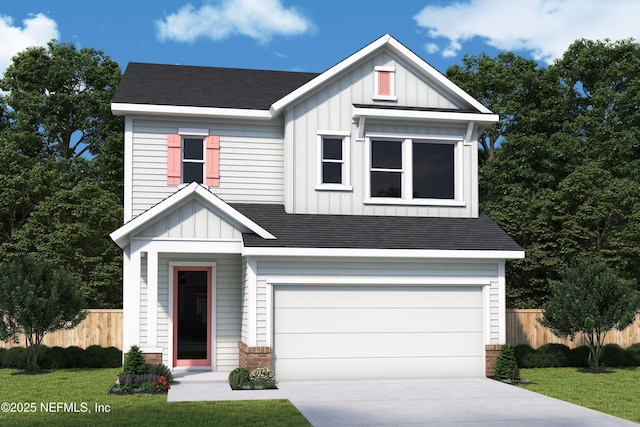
[{"x": 192, "y": 316}]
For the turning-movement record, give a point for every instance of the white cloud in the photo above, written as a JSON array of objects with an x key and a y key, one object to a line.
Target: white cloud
[
  {"x": 545, "y": 28},
  {"x": 258, "y": 19},
  {"x": 37, "y": 30}
]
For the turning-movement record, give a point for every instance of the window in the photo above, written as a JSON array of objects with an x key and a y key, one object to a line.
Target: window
[
  {"x": 333, "y": 168},
  {"x": 192, "y": 160},
  {"x": 193, "y": 157},
  {"x": 413, "y": 170},
  {"x": 384, "y": 84}
]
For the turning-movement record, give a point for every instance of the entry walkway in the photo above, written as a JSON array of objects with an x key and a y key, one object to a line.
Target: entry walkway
[{"x": 432, "y": 402}]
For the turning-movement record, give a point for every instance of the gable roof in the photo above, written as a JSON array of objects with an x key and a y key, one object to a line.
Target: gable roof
[
  {"x": 306, "y": 231},
  {"x": 122, "y": 236},
  {"x": 259, "y": 94}
]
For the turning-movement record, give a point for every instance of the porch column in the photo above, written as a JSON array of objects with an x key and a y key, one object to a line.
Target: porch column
[
  {"x": 152, "y": 299},
  {"x": 252, "y": 302},
  {"x": 131, "y": 298}
]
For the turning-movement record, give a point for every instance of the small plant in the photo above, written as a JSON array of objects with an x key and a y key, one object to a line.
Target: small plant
[
  {"x": 506, "y": 364},
  {"x": 145, "y": 383},
  {"x": 161, "y": 384},
  {"x": 134, "y": 364},
  {"x": 238, "y": 378},
  {"x": 263, "y": 378},
  {"x": 163, "y": 371}
]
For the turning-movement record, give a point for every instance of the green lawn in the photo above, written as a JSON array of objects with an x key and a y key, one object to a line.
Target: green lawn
[
  {"x": 87, "y": 388},
  {"x": 617, "y": 393}
]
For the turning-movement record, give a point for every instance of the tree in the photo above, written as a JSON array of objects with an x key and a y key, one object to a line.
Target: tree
[
  {"x": 71, "y": 227},
  {"x": 509, "y": 85},
  {"x": 591, "y": 300},
  {"x": 63, "y": 95},
  {"x": 37, "y": 298}
]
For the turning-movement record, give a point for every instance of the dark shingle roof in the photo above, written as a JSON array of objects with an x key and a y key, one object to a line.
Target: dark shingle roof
[
  {"x": 181, "y": 85},
  {"x": 373, "y": 232}
]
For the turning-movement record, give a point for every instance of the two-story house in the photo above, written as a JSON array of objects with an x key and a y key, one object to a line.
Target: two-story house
[{"x": 325, "y": 225}]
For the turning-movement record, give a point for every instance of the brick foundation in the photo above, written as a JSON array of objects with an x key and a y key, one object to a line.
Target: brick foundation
[
  {"x": 491, "y": 354},
  {"x": 152, "y": 359},
  {"x": 254, "y": 357}
]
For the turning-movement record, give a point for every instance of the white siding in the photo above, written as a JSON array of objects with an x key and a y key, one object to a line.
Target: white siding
[
  {"x": 192, "y": 220},
  {"x": 331, "y": 268},
  {"x": 251, "y": 161},
  {"x": 330, "y": 108},
  {"x": 228, "y": 310}
]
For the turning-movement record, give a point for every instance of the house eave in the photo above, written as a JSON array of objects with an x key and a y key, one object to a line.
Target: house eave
[
  {"x": 382, "y": 253},
  {"x": 121, "y": 109},
  {"x": 405, "y": 114}
]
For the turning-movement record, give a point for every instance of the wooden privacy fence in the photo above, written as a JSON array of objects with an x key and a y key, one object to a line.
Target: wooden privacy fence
[
  {"x": 523, "y": 328},
  {"x": 102, "y": 327}
]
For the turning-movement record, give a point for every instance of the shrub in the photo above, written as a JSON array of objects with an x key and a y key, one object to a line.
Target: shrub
[
  {"x": 162, "y": 370},
  {"x": 134, "y": 364},
  {"x": 55, "y": 358},
  {"x": 547, "y": 356},
  {"x": 614, "y": 355},
  {"x": 112, "y": 357},
  {"x": 506, "y": 365},
  {"x": 16, "y": 357},
  {"x": 579, "y": 357},
  {"x": 263, "y": 378},
  {"x": 633, "y": 352},
  {"x": 75, "y": 356},
  {"x": 2, "y": 353},
  {"x": 238, "y": 377},
  {"x": 520, "y": 351},
  {"x": 94, "y": 357}
]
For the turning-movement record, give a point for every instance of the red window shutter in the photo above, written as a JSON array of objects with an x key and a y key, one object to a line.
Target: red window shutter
[
  {"x": 174, "y": 159},
  {"x": 384, "y": 83},
  {"x": 213, "y": 161}
]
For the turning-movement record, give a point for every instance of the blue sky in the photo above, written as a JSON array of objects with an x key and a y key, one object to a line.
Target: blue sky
[{"x": 309, "y": 35}]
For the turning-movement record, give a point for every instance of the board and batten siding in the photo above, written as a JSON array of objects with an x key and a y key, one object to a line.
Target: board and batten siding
[
  {"x": 362, "y": 269},
  {"x": 331, "y": 109},
  {"x": 193, "y": 220},
  {"x": 251, "y": 161},
  {"x": 228, "y": 305}
]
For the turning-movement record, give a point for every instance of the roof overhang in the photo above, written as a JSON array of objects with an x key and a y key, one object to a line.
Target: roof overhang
[
  {"x": 382, "y": 253},
  {"x": 481, "y": 119},
  {"x": 392, "y": 44},
  {"x": 122, "y": 236},
  {"x": 120, "y": 109}
]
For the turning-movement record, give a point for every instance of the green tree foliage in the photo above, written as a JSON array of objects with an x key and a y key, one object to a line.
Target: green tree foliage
[
  {"x": 71, "y": 227},
  {"x": 134, "y": 363},
  {"x": 37, "y": 298},
  {"x": 591, "y": 300},
  {"x": 61, "y": 164},
  {"x": 506, "y": 364},
  {"x": 63, "y": 95},
  {"x": 563, "y": 181}
]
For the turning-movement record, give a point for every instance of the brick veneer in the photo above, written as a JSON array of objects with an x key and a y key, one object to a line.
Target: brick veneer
[
  {"x": 152, "y": 359},
  {"x": 491, "y": 354},
  {"x": 254, "y": 357}
]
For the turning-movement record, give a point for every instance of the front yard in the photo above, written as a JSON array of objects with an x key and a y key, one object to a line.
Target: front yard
[
  {"x": 70, "y": 397},
  {"x": 616, "y": 393},
  {"x": 79, "y": 397}
]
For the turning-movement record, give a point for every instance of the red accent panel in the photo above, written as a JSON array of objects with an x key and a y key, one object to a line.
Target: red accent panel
[
  {"x": 174, "y": 142},
  {"x": 213, "y": 161},
  {"x": 384, "y": 83}
]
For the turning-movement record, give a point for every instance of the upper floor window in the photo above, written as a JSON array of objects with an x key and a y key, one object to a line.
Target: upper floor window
[
  {"x": 334, "y": 162},
  {"x": 193, "y": 156},
  {"x": 418, "y": 171},
  {"x": 384, "y": 84}
]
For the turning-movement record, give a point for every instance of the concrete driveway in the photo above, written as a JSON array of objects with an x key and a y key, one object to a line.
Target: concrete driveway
[{"x": 432, "y": 402}]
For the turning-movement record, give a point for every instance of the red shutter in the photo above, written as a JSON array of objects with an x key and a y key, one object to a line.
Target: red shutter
[
  {"x": 384, "y": 83},
  {"x": 174, "y": 159},
  {"x": 213, "y": 161}
]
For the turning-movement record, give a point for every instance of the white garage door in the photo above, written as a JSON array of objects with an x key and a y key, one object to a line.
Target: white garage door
[{"x": 338, "y": 332}]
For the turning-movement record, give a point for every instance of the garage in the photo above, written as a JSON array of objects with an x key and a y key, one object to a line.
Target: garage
[{"x": 377, "y": 332}]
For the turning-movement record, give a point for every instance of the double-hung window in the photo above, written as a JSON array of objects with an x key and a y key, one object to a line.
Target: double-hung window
[
  {"x": 414, "y": 170},
  {"x": 334, "y": 161},
  {"x": 193, "y": 156}
]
